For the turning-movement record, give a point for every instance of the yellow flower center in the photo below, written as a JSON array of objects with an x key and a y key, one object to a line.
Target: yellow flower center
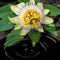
[{"x": 32, "y": 17}]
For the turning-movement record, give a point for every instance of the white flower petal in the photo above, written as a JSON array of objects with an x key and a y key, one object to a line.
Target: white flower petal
[
  {"x": 18, "y": 26},
  {"x": 28, "y": 26},
  {"x": 20, "y": 5},
  {"x": 31, "y": 7},
  {"x": 40, "y": 5},
  {"x": 22, "y": 23},
  {"x": 40, "y": 29},
  {"x": 14, "y": 8},
  {"x": 18, "y": 8},
  {"x": 48, "y": 20},
  {"x": 32, "y": 2},
  {"x": 46, "y": 11},
  {"x": 21, "y": 8},
  {"x": 24, "y": 31},
  {"x": 15, "y": 20}
]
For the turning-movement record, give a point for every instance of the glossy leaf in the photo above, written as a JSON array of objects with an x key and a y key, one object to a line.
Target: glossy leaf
[
  {"x": 34, "y": 36},
  {"x": 36, "y": 1},
  {"x": 5, "y": 24},
  {"x": 50, "y": 29},
  {"x": 13, "y": 38},
  {"x": 23, "y": 1},
  {"x": 6, "y": 12},
  {"x": 54, "y": 11}
]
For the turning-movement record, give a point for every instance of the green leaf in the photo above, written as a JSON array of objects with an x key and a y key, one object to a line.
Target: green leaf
[
  {"x": 28, "y": 1},
  {"x": 36, "y": 1},
  {"x": 6, "y": 12},
  {"x": 13, "y": 38},
  {"x": 54, "y": 11},
  {"x": 5, "y": 24},
  {"x": 51, "y": 29},
  {"x": 34, "y": 36},
  {"x": 23, "y": 1}
]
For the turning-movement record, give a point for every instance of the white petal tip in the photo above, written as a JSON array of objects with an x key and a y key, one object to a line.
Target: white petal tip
[
  {"x": 24, "y": 31},
  {"x": 40, "y": 29},
  {"x": 46, "y": 11},
  {"x": 48, "y": 20}
]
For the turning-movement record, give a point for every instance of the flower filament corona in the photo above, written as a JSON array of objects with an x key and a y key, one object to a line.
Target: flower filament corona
[{"x": 32, "y": 17}]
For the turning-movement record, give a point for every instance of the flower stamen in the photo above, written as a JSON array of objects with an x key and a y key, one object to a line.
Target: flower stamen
[
  {"x": 34, "y": 24},
  {"x": 32, "y": 17}
]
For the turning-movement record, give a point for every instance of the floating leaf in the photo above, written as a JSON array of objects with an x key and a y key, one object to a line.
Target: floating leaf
[{"x": 54, "y": 11}]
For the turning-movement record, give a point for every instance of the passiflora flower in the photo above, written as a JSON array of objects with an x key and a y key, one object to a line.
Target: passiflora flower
[{"x": 30, "y": 16}]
